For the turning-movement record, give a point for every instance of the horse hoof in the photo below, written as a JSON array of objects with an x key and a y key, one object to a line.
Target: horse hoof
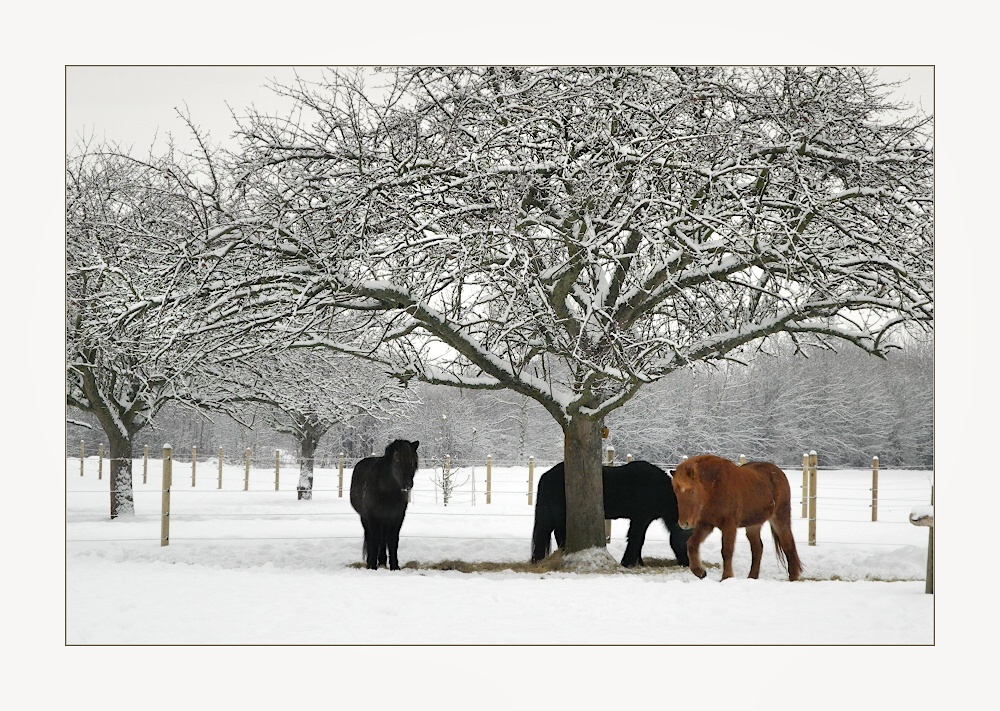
[{"x": 699, "y": 573}]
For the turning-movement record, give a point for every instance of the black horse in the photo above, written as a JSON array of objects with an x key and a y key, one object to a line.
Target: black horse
[
  {"x": 380, "y": 488},
  {"x": 638, "y": 491}
]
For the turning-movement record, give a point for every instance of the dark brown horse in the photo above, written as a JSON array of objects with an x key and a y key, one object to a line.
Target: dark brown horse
[{"x": 712, "y": 492}]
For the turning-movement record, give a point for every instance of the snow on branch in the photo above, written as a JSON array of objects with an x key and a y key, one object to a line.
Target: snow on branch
[{"x": 573, "y": 234}]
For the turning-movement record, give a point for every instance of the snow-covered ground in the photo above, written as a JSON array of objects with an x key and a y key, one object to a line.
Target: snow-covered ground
[{"x": 260, "y": 567}]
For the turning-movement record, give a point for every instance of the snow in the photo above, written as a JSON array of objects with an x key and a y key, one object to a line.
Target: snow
[
  {"x": 260, "y": 567},
  {"x": 922, "y": 516},
  {"x": 273, "y": 578}
]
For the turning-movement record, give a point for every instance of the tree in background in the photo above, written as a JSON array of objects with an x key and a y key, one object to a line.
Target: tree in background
[
  {"x": 130, "y": 343},
  {"x": 307, "y": 392},
  {"x": 574, "y": 234},
  {"x": 847, "y": 406},
  {"x": 774, "y": 414}
]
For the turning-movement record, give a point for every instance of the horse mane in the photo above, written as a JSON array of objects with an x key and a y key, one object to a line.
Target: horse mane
[
  {"x": 706, "y": 469},
  {"x": 407, "y": 449}
]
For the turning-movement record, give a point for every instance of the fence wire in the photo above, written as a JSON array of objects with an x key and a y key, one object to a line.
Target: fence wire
[{"x": 892, "y": 498}]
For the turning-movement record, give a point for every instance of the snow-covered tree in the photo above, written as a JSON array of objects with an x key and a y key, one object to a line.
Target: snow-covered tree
[
  {"x": 574, "y": 234},
  {"x": 308, "y": 391},
  {"x": 131, "y": 342}
]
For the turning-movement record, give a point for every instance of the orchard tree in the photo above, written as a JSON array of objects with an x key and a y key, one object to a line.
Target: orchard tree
[
  {"x": 131, "y": 341},
  {"x": 308, "y": 391},
  {"x": 573, "y": 234}
]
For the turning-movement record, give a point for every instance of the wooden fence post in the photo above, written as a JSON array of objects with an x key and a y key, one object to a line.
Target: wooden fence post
[
  {"x": 874, "y": 488},
  {"x": 165, "y": 495},
  {"x": 340, "y": 475},
  {"x": 805, "y": 485},
  {"x": 929, "y": 584},
  {"x": 473, "y": 476},
  {"x": 926, "y": 518},
  {"x": 145, "y": 462},
  {"x": 100, "y": 461},
  {"x": 246, "y": 476},
  {"x": 812, "y": 497},
  {"x": 81, "y": 457},
  {"x": 743, "y": 459},
  {"x": 628, "y": 457},
  {"x": 220, "y": 467},
  {"x": 194, "y": 463},
  {"x": 607, "y": 521},
  {"x": 489, "y": 477},
  {"x": 277, "y": 467},
  {"x": 531, "y": 480}
]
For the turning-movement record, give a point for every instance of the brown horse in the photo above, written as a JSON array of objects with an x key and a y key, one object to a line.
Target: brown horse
[{"x": 712, "y": 492}]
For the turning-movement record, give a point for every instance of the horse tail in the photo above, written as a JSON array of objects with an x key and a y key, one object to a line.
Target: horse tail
[
  {"x": 781, "y": 531},
  {"x": 788, "y": 555},
  {"x": 782, "y": 560},
  {"x": 541, "y": 535},
  {"x": 547, "y": 512}
]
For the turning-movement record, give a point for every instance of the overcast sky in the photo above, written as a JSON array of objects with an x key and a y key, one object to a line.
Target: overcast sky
[{"x": 132, "y": 104}]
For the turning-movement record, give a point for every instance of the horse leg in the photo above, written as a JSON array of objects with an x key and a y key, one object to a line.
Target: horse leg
[
  {"x": 560, "y": 534},
  {"x": 756, "y": 549},
  {"x": 383, "y": 537},
  {"x": 636, "y": 537},
  {"x": 371, "y": 543},
  {"x": 700, "y": 533},
  {"x": 728, "y": 545},
  {"x": 392, "y": 538}
]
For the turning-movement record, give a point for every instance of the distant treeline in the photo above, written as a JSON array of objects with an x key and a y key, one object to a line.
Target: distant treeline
[{"x": 848, "y": 406}]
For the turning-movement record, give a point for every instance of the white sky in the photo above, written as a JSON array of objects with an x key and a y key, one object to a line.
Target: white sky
[{"x": 132, "y": 104}]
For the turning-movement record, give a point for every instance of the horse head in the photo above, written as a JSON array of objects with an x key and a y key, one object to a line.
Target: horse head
[
  {"x": 689, "y": 487},
  {"x": 403, "y": 462}
]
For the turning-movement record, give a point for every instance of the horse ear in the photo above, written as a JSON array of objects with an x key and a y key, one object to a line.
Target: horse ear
[{"x": 415, "y": 445}]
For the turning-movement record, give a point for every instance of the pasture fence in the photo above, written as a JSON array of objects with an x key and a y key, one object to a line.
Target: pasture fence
[
  {"x": 810, "y": 469},
  {"x": 874, "y": 488},
  {"x": 813, "y": 466},
  {"x": 809, "y": 490},
  {"x": 925, "y": 517},
  {"x": 165, "y": 495}
]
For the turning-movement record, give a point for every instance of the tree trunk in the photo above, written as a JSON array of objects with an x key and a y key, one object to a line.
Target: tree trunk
[
  {"x": 307, "y": 451},
  {"x": 584, "y": 485},
  {"x": 120, "y": 467}
]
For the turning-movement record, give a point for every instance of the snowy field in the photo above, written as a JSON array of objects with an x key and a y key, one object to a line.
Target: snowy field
[{"x": 259, "y": 567}]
